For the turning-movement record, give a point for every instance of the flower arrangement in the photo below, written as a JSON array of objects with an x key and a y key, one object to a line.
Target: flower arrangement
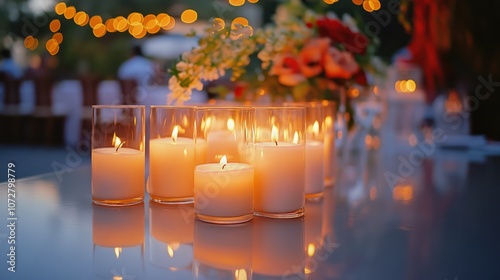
[{"x": 302, "y": 54}]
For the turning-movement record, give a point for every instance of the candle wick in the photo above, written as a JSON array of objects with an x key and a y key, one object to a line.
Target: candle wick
[
  {"x": 120, "y": 145},
  {"x": 275, "y": 141},
  {"x": 223, "y": 166},
  {"x": 173, "y": 139}
]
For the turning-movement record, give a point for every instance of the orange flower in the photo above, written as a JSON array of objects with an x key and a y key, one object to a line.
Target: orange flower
[
  {"x": 287, "y": 69},
  {"x": 311, "y": 56},
  {"x": 340, "y": 65}
]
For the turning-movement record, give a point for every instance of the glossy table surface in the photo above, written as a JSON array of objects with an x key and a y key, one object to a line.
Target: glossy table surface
[{"x": 438, "y": 220}]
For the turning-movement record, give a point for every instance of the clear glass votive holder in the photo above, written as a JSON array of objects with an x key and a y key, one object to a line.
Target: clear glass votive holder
[
  {"x": 118, "y": 237},
  {"x": 279, "y": 161},
  {"x": 315, "y": 158},
  {"x": 171, "y": 154},
  {"x": 224, "y": 176},
  {"x": 118, "y": 157}
]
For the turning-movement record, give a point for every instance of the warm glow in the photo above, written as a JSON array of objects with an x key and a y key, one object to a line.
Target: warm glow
[
  {"x": 405, "y": 86},
  {"x": 236, "y": 3},
  {"x": 170, "y": 251},
  {"x": 253, "y": 1},
  {"x": 94, "y": 21},
  {"x": 118, "y": 251},
  {"x": 353, "y": 93},
  {"x": 453, "y": 104},
  {"x": 170, "y": 25},
  {"x": 223, "y": 160},
  {"x": 117, "y": 277},
  {"x": 296, "y": 137},
  {"x": 58, "y": 37},
  {"x": 81, "y": 18},
  {"x": 163, "y": 19},
  {"x": 311, "y": 249},
  {"x": 70, "y": 12},
  {"x": 54, "y": 25},
  {"x": 175, "y": 131},
  {"x": 402, "y": 193},
  {"x": 315, "y": 128},
  {"x": 117, "y": 142},
  {"x": 120, "y": 24},
  {"x": 240, "y": 274},
  {"x": 357, "y": 2},
  {"x": 239, "y": 20},
  {"x": 274, "y": 134},
  {"x": 230, "y": 124},
  {"x": 30, "y": 42},
  {"x": 189, "y": 16},
  {"x": 99, "y": 30},
  {"x": 51, "y": 45},
  {"x": 149, "y": 21},
  {"x": 329, "y": 2},
  {"x": 328, "y": 122},
  {"x": 59, "y": 8},
  {"x": 171, "y": 248},
  {"x": 136, "y": 29},
  {"x": 134, "y": 17},
  {"x": 110, "y": 25},
  {"x": 367, "y": 6},
  {"x": 411, "y": 86}
]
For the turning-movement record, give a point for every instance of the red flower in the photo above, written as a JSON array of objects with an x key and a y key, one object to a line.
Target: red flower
[
  {"x": 340, "y": 65},
  {"x": 353, "y": 42},
  {"x": 360, "y": 78},
  {"x": 311, "y": 56}
]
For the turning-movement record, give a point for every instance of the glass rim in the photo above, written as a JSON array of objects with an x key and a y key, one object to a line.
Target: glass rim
[
  {"x": 171, "y": 107},
  {"x": 226, "y": 108},
  {"x": 299, "y": 108},
  {"x": 118, "y": 106}
]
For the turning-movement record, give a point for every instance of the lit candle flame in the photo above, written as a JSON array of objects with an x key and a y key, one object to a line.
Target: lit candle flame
[
  {"x": 118, "y": 251},
  {"x": 316, "y": 128},
  {"x": 118, "y": 142},
  {"x": 311, "y": 249},
  {"x": 296, "y": 138},
  {"x": 223, "y": 161},
  {"x": 328, "y": 122},
  {"x": 240, "y": 274},
  {"x": 274, "y": 135},
  {"x": 175, "y": 131},
  {"x": 170, "y": 251},
  {"x": 230, "y": 124}
]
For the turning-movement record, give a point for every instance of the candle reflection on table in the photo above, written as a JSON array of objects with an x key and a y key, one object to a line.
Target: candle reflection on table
[
  {"x": 118, "y": 237},
  {"x": 278, "y": 248},
  {"x": 171, "y": 230},
  {"x": 313, "y": 241},
  {"x": 223, "y": 251}
]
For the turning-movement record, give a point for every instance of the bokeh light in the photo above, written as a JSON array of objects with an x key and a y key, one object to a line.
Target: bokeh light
[
  {"x": 94, "y": 20},
  {"x": 358, "y": 2},
  {"x": 170, "y": 25},
  {"x": 59, "y": 8},
  {"x": 239, "y": 20},
  {"x": 81, "y": 18},
  {"x": 236, "y": 3},
  {"x": 163, "y": 19},
  {"x": 189, "y": 16},
  {"x": 135, "y": 17},
  {"x": 121, "y": 24},
  {"x": 55, "y": 25},
  {"x": 110, "y": 25},
  {"x": 99, "y": 30},
  {"x": 58, "y": 37},
  {"x": 52, "y": 46},
  {"x": 70, "y": 12},
  {"x": 253, "y": 1}
]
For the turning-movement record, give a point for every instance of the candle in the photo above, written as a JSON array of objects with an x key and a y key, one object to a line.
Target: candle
[
  {"x": 279, "y": 177},
  {"x": 224, "y": 191},
  {"x": 117, "y": 174},
  {"x": 172, "y": 162},
  {"x": 314, "y": 169}
]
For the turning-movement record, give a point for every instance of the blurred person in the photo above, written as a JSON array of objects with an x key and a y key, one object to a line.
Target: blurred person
[
  {"x": 9, "y": 66},
  {"x": 138, "y": 67}
]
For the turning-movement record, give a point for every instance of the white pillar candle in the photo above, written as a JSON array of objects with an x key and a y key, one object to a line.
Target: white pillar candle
[
  {"x": 314, "y": 185},
  {"x": 329, "y": 164},
  {"x": 117, "y": 174},
  {"x": 279, "y": 177},
  {"x": 171, "y": 168},
  {"x": 224, "y": 190}
]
